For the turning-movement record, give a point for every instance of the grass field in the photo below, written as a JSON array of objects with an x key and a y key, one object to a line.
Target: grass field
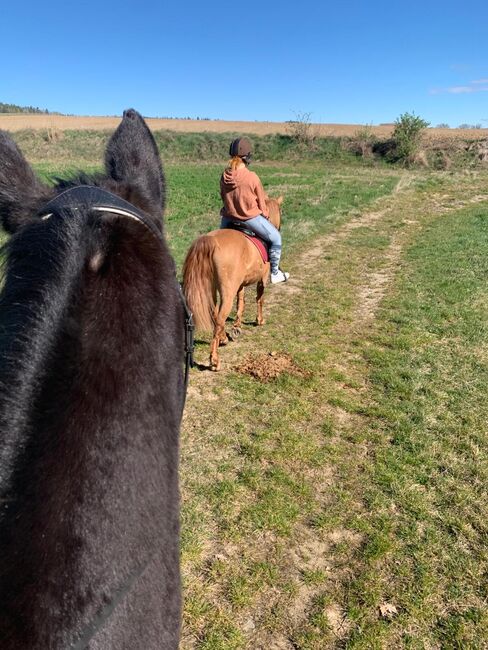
[{"x": 343, "y": 504}]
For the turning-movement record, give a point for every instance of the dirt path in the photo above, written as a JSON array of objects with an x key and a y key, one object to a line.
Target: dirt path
[{"x": 392, "y": 224}]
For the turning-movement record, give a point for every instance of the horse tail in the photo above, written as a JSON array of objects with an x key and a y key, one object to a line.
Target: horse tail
[{"x": 199, "y": 282}]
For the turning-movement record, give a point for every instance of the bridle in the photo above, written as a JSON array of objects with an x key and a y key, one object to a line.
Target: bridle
[
  {"x": 88, "y": 197},
  {"x": 92, "y": 198}
]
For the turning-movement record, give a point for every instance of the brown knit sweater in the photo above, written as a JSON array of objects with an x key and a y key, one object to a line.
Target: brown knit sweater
[{"x": 242, "y": 194}]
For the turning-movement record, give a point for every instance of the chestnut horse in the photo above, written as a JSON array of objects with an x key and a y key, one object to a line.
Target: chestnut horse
[
  {"x": 223, "y": 262},
  {"x": 91, "y": 396}
]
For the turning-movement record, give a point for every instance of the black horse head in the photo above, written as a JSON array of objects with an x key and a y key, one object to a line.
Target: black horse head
[{"x": 91, "y": 390}]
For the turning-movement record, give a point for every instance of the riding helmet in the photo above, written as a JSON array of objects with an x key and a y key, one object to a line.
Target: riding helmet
[{"x": 240, "y": 147}]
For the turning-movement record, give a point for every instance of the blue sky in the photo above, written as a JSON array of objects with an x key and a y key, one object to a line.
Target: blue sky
[{"x": 342, "y": 62}]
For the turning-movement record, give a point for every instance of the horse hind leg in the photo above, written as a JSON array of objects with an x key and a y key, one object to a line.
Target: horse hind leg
[
  {"x": 223, "y": 339},
  {"x": 237, "y": 326},
  {"x": 219, "y": 335},
  {"x": 259, "y": 302}
]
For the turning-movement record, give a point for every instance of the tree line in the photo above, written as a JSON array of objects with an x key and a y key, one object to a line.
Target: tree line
[{"x": 13, "y": 108}]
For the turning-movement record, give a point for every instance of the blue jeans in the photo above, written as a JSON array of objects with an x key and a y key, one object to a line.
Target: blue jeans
[{"x": 265, "y": 230}]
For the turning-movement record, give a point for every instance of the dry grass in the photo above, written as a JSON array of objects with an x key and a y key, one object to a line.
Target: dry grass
[{"x": 68, "y": 122}]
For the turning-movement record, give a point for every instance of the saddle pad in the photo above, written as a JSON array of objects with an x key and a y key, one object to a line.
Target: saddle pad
[{"x": 262, "y": 248}]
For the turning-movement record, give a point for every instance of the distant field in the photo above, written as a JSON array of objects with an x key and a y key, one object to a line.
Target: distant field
[{"x": 63, "y": 122}]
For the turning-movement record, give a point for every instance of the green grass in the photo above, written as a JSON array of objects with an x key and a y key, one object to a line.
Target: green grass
[
  {"x": 426, "y": 491},
  {"x": 87, "y": 147},
  {"x": 364, "y": 484},
  {"x": 315, "y": 196}
]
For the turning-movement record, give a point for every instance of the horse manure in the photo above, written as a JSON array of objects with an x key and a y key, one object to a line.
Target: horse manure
[{"x": 269, "y": 366}]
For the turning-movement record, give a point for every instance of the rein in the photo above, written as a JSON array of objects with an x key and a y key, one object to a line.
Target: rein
[
  {"x": 100, "y": 200},
  {"x": 102, "y": 616}
]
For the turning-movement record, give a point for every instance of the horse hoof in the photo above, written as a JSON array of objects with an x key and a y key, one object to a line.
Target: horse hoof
[
  {"x": 224, "y": 341},
  {"x": 261, "y": 322},
  {"x": 235, "y": 333},
  {"x": 215, "y": 366}
]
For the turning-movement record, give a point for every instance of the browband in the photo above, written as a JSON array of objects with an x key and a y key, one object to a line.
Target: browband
[{"x": 100, "y": 200}]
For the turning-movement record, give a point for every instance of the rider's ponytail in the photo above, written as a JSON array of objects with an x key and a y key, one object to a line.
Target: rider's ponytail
[{"x": 234, "y": 162}]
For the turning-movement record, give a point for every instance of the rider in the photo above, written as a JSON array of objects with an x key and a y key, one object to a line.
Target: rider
[{"x": 244, "y": 199}]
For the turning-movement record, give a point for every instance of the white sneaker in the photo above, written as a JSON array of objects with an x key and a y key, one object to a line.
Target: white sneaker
[{"x": 279, "y": 276}]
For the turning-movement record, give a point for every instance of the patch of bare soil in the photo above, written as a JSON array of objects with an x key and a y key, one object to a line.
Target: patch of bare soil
[
  {"x": 337, "y": 620},
  {"x": 372, "y": 293},
  {"x": 269, "y": 366}
]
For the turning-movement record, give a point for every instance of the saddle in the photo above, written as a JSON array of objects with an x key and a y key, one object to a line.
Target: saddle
[{"x": 260, "y": 244}]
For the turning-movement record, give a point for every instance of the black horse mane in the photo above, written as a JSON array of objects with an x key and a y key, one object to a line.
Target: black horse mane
[{"x": 79, "y": 178}]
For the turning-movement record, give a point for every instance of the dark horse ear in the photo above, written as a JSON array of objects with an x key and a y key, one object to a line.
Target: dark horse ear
[
  {"x": 21, "y": 193},
  {"x": 132, "y": 159}
]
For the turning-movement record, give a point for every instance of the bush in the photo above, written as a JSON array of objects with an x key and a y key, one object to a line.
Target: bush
[
  {"x": 362, "y": 143},
  {"x": 302, "y": 131},
  {"x": 406, "y": 135}
]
